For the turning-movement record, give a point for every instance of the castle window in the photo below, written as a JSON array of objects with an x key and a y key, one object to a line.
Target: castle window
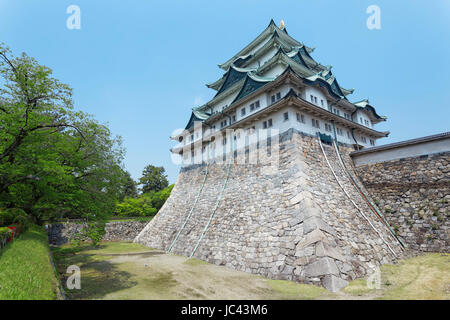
[
  {"x": 257, "y": 104},
  {"x": 276, "y": 97},
  {"x": 372, "y": 142},
  {"x": 300, "y": 118},
  {"x": 321, "y": 102},
  {"x": 339, "y": 131},
  {"x": 348, "y": 135},
  {"x": 363, "y": 139},
  {"x": 315, "y": 100},
  {"x": 252, "y": 107},
  {"x": 327, "y": 127},
  {"x": 360, "y": 120},
  {"x": 312, "y": 98},
  {"x": 315, "y": 123},
  {"x": 233, "y": 118},
  {"x": 286, "y": 116},
  {"x": 267, "y": 124},
  {"x": 243, "y": 112}
]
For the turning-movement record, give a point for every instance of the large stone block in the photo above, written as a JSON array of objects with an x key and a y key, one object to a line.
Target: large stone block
[
  {"x": 333, "y": 283},
  {"x": 321, "y": 267}
]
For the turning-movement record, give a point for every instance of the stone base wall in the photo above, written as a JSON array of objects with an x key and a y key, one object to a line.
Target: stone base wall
[
  {"x": 61, "y": 233},
  {"x": 291, "y": 221},
  {"x": 414, "y": 195}
]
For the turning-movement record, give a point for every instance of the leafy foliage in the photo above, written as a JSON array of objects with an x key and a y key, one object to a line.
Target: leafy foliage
[
  {"x": 129, "y": 187},
  {"x": 93, "y": 231},
  {"x": 54, "y": 162},
  {"x": 153, "y": 179},
  {"x": 148, "y": 204}
]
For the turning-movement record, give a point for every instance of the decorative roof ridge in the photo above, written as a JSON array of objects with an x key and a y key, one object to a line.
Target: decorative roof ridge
[
  {"x": 365, "y": 105},
  {"x": 318, "y": 78},
  {"x": 361, "y": 101},
  {"x": 221, "y": 89},
  {"x": 270, "y": 29},
  {"x": 288, "y": 60},
  {"x": 252, "y": 77}
]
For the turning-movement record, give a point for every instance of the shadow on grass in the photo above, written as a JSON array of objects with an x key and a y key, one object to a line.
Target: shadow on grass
[{"x": 99, "y": 277}]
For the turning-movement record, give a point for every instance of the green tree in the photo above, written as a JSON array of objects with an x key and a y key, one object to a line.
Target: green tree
[
  {"x": 128, "y": 187},
  {"x": 54, "y": 161},
  {"x": 153, "y": 179}
]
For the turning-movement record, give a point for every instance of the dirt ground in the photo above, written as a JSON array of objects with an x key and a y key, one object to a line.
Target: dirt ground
[{"x": 121, "y": 270}]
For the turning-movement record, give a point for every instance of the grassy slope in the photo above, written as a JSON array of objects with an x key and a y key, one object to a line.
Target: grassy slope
[
  {"x": 425, "y": 277},
  {"x": 25, "y": 269}
]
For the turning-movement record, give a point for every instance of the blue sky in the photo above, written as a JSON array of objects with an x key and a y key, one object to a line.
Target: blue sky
[{"x": 140, "y": 66}]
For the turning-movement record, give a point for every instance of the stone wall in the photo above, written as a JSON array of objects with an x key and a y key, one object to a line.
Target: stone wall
[
  {"x": 414, "y": 194},
  {"x": 291, "y": 221},
  {"x": 60, "y": 233}
]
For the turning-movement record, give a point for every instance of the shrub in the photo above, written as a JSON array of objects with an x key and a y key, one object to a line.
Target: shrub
[
  {"x": 146, "y": 205},
  {"x": 5, "y": 234}
]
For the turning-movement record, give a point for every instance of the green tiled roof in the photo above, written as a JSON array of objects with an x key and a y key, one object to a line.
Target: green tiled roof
[{"x": 196, "y": 115}]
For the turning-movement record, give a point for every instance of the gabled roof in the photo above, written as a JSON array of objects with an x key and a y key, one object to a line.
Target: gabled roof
[
  {"x": 271, "y": 31},
  {"x": 297, "y": 57},
  {"x": 281, "y": 57},
  {"x": 233, "y": 75},
  {"x": 251, "y": 84},
  {"x": 365, "y": 105},
  {"x": 333, "y": 87},
  {"x": 196, "y": 115}
]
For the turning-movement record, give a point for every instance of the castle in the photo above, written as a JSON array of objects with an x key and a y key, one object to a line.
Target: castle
[{"x": 267, "y": 183}]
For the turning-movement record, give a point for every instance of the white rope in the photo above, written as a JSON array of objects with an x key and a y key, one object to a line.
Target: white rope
[
  {"x": 191, "y": 211},
  {"x": 214, "y": 211},
  {"x": 342, "y": 187},
  {"x": 359, "y": 190}
]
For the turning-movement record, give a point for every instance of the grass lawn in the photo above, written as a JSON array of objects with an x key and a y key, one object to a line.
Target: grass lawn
[
  {"x": 425, "y": 277},
  {"x": 25, "y": 269},
  {"x": 123, "y": 270}
]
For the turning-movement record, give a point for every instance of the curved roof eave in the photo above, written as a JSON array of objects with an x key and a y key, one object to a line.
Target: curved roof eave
[
  {"x": 239, "y": 74},
  {"x": 365, "y": 105},
  {"x": 196, "y": 116}
]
